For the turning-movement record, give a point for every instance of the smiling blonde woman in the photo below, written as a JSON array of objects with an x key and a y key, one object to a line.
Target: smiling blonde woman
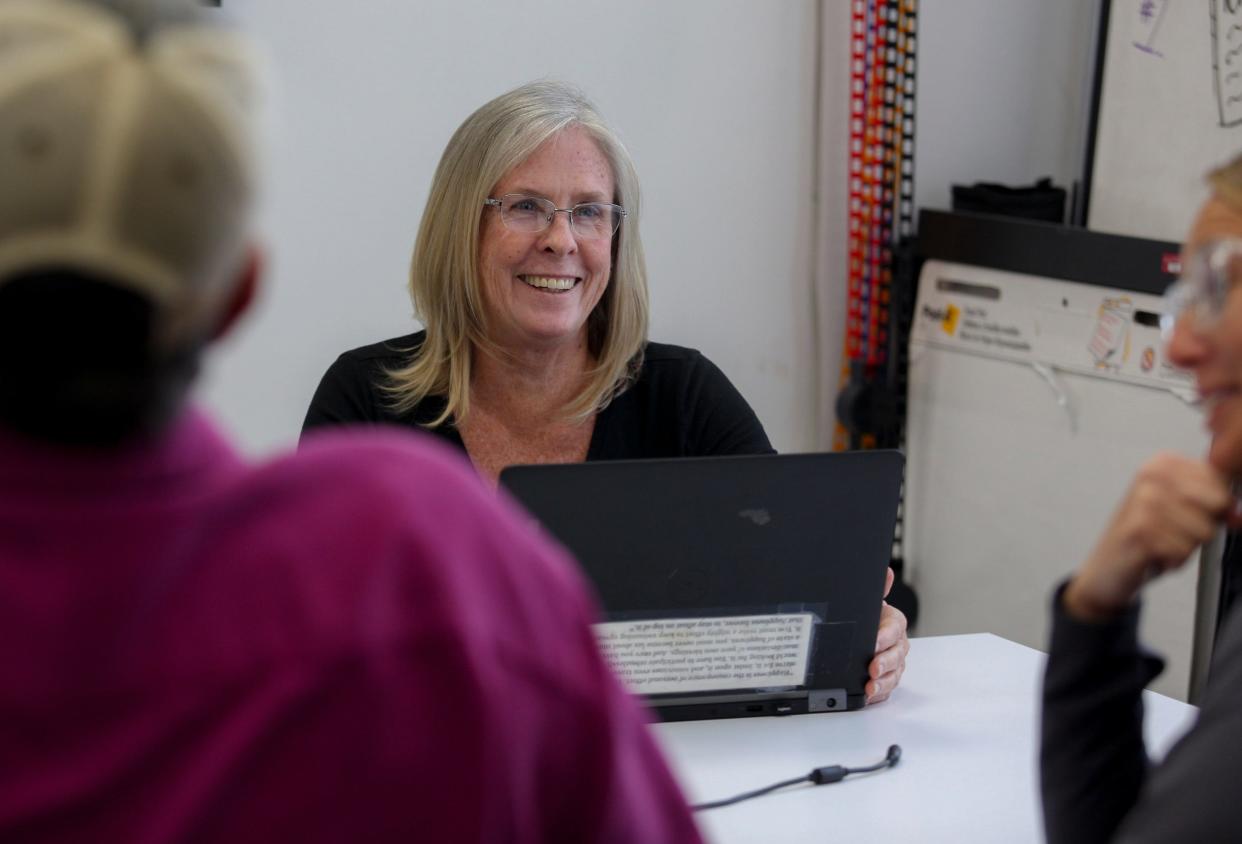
[
  {"x": 528, "y": 275},
  {"x": 535, "y": 343}
]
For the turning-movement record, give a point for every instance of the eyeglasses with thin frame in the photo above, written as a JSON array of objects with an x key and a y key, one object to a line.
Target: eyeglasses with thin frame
[
  {"x": 531, "y": 214},
  {"x": 1199, "y": 293}
]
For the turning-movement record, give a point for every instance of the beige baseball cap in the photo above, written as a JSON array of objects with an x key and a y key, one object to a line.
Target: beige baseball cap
[{"x": 128, "y": 148}]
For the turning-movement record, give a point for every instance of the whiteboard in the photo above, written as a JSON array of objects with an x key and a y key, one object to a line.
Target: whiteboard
[{"x": 1170, "y": 110}]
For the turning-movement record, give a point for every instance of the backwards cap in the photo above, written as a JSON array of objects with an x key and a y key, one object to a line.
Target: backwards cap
[{"x": 127, "y": 150}]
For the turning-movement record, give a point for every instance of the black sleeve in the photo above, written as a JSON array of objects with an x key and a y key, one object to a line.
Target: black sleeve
[
  {"x": 347, "y": 394},
  {"x": 1230, "y": 577},
  {"x": 1092, "y": 759},
  {"x": 717, "y": 419}
]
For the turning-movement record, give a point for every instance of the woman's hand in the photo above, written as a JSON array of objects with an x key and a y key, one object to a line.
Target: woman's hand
[
  {"x": 891, "y": 647},
  {"x": 1174, "y": 505}
]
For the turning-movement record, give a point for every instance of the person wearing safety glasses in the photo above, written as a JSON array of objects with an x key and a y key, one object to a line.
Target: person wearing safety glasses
[{"x": 1097, "y": 782}]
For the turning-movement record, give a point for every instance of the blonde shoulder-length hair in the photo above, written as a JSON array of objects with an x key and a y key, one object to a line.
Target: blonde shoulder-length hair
[{"x": 445, "y": 283}]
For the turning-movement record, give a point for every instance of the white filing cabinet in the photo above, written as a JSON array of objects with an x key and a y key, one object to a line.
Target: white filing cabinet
[{"x": 1032, "y": 401}]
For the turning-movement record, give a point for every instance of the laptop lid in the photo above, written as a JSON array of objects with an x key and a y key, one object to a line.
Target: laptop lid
[{"x": 730, "y": 586}]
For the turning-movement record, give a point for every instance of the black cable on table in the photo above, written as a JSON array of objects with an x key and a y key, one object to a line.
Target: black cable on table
[{"x": 819, "y": 776}]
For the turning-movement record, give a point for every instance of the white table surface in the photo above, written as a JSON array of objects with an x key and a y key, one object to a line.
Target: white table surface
[{"x": 966, "y": 717}]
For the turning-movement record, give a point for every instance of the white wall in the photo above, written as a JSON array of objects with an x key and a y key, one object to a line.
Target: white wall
[
  {"x": 713, "y": 97},
  {"x": 831, "y": 245},
  {"x": 1003, "y": 92}
]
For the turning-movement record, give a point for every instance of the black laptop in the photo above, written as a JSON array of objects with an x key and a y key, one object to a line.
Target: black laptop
[{"x": 731, "y": 586}]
